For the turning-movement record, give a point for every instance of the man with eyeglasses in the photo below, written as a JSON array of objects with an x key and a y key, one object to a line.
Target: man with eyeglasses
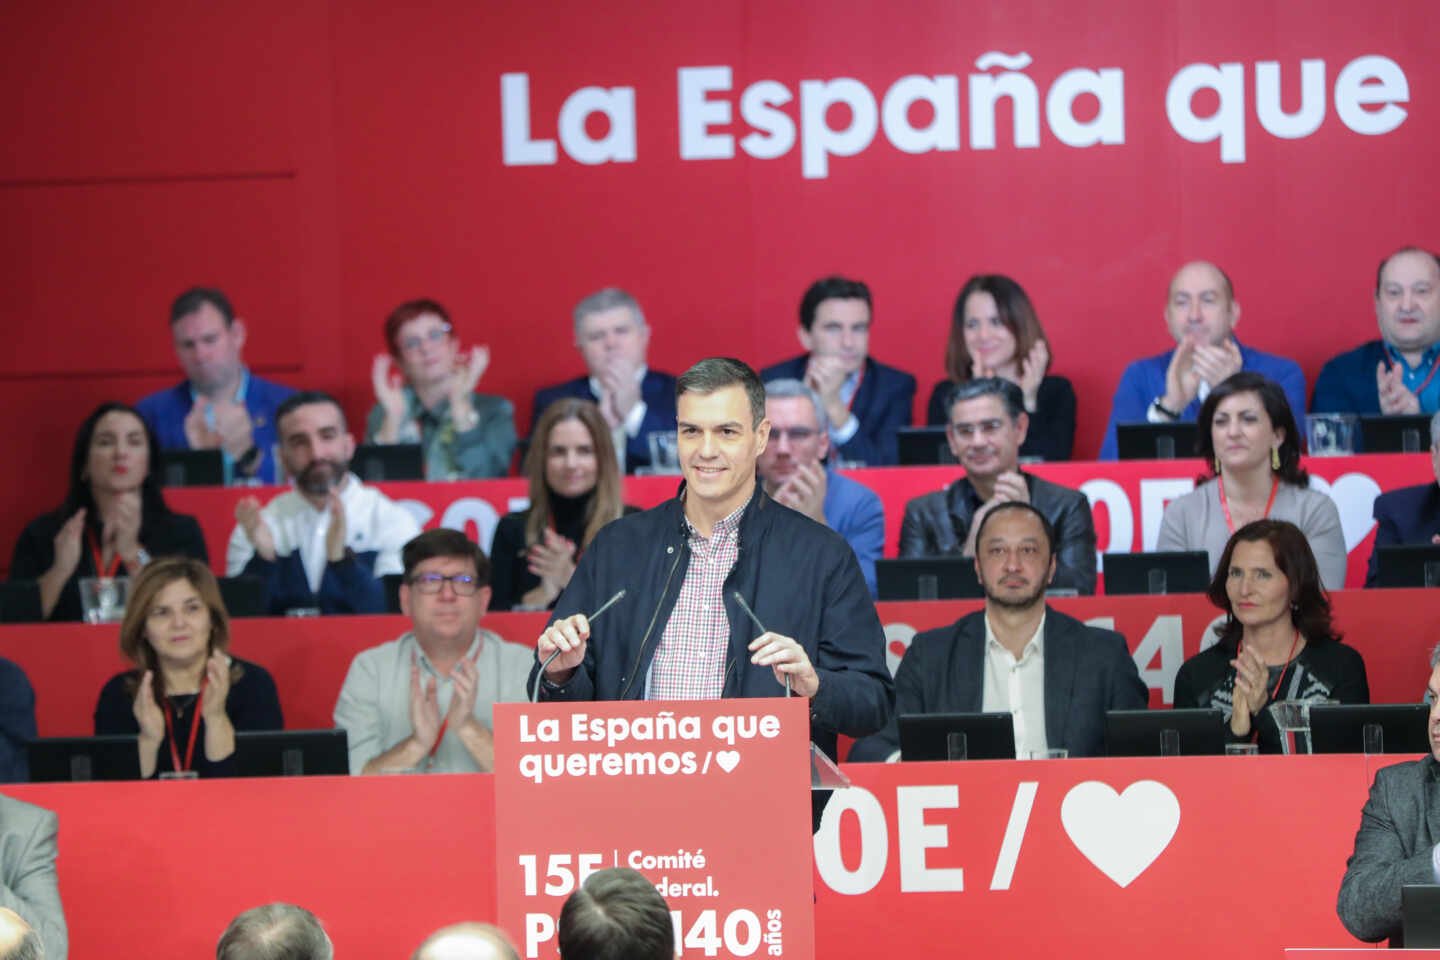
[
  {"x": 987, "y": 425},
  {"x": 425, "y": 701},
  {"x": 793, "y": 467}
]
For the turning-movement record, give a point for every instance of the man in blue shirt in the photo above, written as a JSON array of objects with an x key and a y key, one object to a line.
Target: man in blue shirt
[
  {"x": 1201, "y": 312},
  {"x": 220, "y": 404},
  {"x": 1397, "y": 373},
  {"x": 795, "y": 474}
]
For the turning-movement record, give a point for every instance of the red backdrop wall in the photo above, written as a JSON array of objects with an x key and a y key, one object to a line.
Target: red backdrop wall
[{"x": 322, "y": 161}]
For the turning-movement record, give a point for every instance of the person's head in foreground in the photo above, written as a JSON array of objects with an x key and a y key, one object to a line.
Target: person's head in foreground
[
  {"x": 616, "y": 915},
  {"x": 276, "y": 931}
]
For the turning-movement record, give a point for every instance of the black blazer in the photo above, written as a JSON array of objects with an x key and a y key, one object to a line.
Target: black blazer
[
  {"x": 657, "y": 389},
  {"x": 1087, "y": 672},
  {"x": 1051, "y": 436},
  {"x": 1410, "y": 515}
]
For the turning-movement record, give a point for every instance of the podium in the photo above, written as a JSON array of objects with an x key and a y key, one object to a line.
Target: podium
[{"x": 710, "y": 800}]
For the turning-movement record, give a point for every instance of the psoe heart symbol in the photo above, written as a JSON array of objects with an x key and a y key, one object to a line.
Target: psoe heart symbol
[
  {"x": 1121, "y": 833},
  {"x": 727, "y": 760}
]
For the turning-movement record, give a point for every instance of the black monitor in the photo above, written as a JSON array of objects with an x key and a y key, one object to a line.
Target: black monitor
[
  {"x": 20, "y": 602},
  {"x": 377, "y": 462},
  {"x": 1417, "y": 565},
  {"x": 1420, "y": 915},
  {"x": 926, "y": 736},
  {"x": 1141, "y": 733},
  {"x": 1398, "y": 433},
  {"x": 243, "y": 596},
  {"x": 292, "y": 753},
  {"x": 390, "y": 583},
  {"x": 192, "y": 468},
  {"x": 1178, "y": 571},
  {"x": 928, "y": 578},
  {"x": 1340, "y": 727},
  {"x": 1155, "y": 441},
  {"x": 923, "y": 446},
  {"x": 84, "y": 758}
]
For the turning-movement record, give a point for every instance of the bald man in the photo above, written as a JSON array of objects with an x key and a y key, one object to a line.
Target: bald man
[
  {"x": 28, "y": 882},
  {"x": 1201, "y": 313},
  {"x": 467, "y": 941},
  {"x": 17, "y": 940}
]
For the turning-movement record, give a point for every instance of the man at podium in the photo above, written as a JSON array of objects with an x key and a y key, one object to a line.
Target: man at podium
[{"x": 722, "y": 592}]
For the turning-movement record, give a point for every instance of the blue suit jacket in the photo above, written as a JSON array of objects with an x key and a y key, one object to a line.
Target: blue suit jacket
[
  {"x": 1410, "y": 515},
  {"x": 882, "y": 405},
  {"x": 855, "y": 512},
  {"x": 1347, "y": 382},
  {"x": 656, "y": 389},
  {"x": 1144, "y": 380},
  {"x": 166, "y": 411},
  {"x": 1087, "y": 672}
]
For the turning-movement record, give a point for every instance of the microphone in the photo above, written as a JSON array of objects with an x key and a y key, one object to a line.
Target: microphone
[
  {"x": 535, "y": 696},
  {"x": 759, "y": 626}
]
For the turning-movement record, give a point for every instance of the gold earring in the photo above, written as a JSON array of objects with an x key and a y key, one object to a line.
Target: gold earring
[
  {"x": 1275, "y": 458},
  {"x": 1217, "y": 464}
]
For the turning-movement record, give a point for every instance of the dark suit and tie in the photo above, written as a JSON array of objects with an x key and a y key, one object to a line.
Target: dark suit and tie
[
  {"x": 657, "y": 390},
  {"x": 1410, "y": 515},
  {"x": 1087, "y": 671},
  {"x": 882, "y": 406}
]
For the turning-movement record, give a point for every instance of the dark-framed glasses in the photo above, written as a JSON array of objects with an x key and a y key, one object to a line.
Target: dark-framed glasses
[{"x": 463, "y": 584}]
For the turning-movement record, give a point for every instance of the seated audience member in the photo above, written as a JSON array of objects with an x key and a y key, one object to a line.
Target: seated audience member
[
  {"x": 866, "y": 402},
  {"x": 276, "y": 931},
  {"x": 113, "y": 519},
  {"x": 467, "y": 941},
  {"x": 432, "y": 400},
  {"x": 575, "y": 489},
  {"x": 994, "y": 332},
  {"x": 425, "y": 701},
  {"x": 1398, "y": 842},
  {"x": 325, "y": 544},
  {"x": 28, "y": 884},
  {"x": 612, "y": 337},
  {"x": 1277, "y": 641},
  {"x": 220, "y": 404},
  {"x": 1252, "y": 456},
  {"x": 1201, "y": 312},
  {"x": 1052, "y": 673},
  {"x": 986, "y": 428},
  {"x": 794, "y": 470},
  {"x": 18, "y": 941},
  {"x": 617, "y": 913},
  {"x": 17, "y": 722},
  {"x": 186, "y": 696},
  {"x": 1410, "y": 515},
  {"x": 1395, "y": 374}
]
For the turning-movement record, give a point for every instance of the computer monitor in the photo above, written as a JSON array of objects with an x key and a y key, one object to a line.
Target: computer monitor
[
  {"x": 1155, "y": 441},
  {"x": 378, "y": 462},
  {"x": 1141, "y": 733},
  {"x": 84, "y": 758},
  {"x": 1398, "y": 433},
  {"x": 390, "y": 583},
  {"x": 243, "y": 596},
  {"x": 926, "y": 736},
  {"x": 192, "y": 468},
  {"x": 923, "y": 446},
  {"x": 1340, "y": 727},
  {"x": 1420, "y": 915},
  {"x": 20, "y": 602},
  {"x": 1178, "y": 571},
  {"x": 1416, "y": 565},
  {"x": 292, "y": 753},
  {"x": 928, "y": 578}
]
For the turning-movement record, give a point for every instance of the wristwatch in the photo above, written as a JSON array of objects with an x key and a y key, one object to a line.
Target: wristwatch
[
  {"x": 246, "y": 462},
  {"x": 1164, "y": 411},
  {"x": 142, "y": 557}
]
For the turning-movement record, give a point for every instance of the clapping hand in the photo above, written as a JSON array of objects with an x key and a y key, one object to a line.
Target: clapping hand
[
  {"x": 1394, "y": 396},
  {"x": 1216, "y": 364},
  {"x": 247, "y": 514}
]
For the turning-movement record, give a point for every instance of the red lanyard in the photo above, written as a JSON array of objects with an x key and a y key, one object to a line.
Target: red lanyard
[
  {"x": 194, "y": 728},
  {"x": 1224, "y": 505},
  {"x": 100, "y": 571},
  {"x": 440, "y": 735},
  {"x": 1434, "y": 365}
]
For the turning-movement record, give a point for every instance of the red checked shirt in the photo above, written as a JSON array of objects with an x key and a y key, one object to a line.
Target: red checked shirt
[{"x": 690, "y": 661}]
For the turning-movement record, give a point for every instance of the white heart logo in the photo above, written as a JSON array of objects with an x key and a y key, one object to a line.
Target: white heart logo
[
  {"x": 727, "y": 760},
  {"x": 1121, "y": 833},
  {"x": 1354, "y": 495}
]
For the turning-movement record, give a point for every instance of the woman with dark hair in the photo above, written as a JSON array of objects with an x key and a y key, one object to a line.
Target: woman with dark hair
[
  {"x": 994, "y": 332},
  {"x": 113, "y": 520},
  {"x": 1277, "y": 641},
  {"x": 432, "y": 400},
  {"x": 186, "y": 691},
  {"x": 1251, "y": 447},
  {"x": 575, "y": 489}
]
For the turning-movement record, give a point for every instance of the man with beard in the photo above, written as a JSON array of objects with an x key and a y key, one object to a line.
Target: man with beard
[
  {"x": 1052, "y": 673},
  {"x": 325, "y": 544}
]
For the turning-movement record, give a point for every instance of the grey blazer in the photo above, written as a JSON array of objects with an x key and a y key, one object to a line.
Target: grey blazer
[
  {"x": 1398, "y": 830},
  {"x": 1087, "y": 671},
  {"x": 27, "y": 872},
  {"x": 1196, "y": 521}
]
